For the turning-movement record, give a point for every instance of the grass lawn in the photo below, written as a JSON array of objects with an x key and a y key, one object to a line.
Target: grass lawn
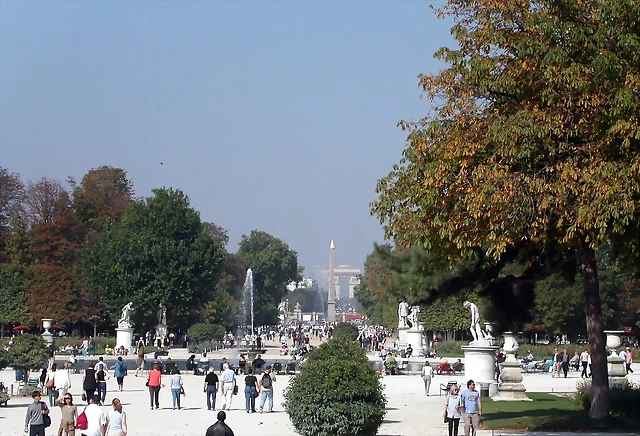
[{"x": 548, "y": 413}]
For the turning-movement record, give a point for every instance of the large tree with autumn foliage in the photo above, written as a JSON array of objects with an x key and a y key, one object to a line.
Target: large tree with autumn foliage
[{"x": 532, "y": 146}]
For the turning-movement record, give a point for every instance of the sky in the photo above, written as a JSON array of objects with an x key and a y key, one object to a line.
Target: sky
[{"x": 271, "y": 115}]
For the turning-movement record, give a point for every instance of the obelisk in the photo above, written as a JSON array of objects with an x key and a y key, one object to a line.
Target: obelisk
[{"x": 331, "y": 303}]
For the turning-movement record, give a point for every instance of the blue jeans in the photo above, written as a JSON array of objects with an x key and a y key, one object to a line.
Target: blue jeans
[
  {"x": 249, "y": 399},
  {"x": 211, "y": 397},
  {"x": 102, "y": 391},
  {"x": 175, "y": 395},
  {"x": 266, "y": 393}
]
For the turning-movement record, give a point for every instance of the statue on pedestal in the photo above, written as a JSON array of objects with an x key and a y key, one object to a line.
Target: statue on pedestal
[
  {"x": 403, "y": 314},
  {"x": 298, "y": 308},
  {"x": 282, "y": 307},
  {"x": 414, "y": 317},
  {"x": 125, "y": 317},
  {"x": 162, "y": 315},
  {"x": 476, "y": 331}
]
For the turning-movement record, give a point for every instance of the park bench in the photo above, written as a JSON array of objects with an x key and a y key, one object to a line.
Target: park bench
[
  {"x": 169, "y": 367},
  {"x": 277, "y": 367}
]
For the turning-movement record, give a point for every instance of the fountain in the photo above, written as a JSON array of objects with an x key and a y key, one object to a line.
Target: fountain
[{"x": 248, "y": 301}]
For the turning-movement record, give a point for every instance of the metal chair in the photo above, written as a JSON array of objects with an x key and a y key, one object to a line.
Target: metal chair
[{"x": 447, "y": 388}]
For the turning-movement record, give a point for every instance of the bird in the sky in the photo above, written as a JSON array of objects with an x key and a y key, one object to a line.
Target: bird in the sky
[{"x": 161, "y": 163}]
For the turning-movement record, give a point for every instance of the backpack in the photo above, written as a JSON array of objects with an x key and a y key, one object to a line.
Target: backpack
[{"x": 266, "y": 381}]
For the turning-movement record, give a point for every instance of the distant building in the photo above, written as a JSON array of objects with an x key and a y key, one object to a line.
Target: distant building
[{"x": 348, "y": 273}]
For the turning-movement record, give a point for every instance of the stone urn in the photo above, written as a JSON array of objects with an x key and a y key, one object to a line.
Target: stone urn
[
  {"x": 47, "y": 335},
  {"x": 511, "y": 345},
  {"x": 614, "y": 338}
]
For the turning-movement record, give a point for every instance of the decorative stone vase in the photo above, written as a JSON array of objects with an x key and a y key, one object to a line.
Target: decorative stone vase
[
  {"x": 511, "y": 345},
  {"x": 614, "y": 338},
  {"x": 47, "y": 335}
]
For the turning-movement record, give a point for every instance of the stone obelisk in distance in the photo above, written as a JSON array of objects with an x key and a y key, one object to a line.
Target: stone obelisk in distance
[{"x": 331, "y": 303}]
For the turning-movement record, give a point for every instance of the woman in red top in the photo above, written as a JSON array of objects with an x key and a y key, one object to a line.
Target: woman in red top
[{"x": 154, "y": 383}]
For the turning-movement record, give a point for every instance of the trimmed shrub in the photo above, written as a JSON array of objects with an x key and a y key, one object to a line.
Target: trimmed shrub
[
  {"x": 336, "y": 393},
  {"x": 202, "y": 332},
  {"x": 346, "y": 330},
  {"x": 4, "y": 359},
  {"x": 28, "y": 352},
  {"x": 624, "y": 398}
]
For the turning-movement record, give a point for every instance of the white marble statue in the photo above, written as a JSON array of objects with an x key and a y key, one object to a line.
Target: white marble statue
[
  {"x": 403, "y": 314},
  {"x": 476, "y": 331},
  {"x": 282, "y": 307},
  {"x": 125, "y": 318},
  {"x": 414, "y": 317},
  {"x": 298, "y": 307}
]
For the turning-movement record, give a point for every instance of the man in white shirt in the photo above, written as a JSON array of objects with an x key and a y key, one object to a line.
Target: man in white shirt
[
  {"x": 228, "y": 380},
  {"x": 96, "y": 420},
  {"x": 62, "y": 381}
]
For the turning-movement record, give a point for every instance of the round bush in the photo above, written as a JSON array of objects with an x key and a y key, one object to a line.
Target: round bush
[
  {"x": 336, "y": 393},
  {"x": 346, "y": 330},
  {"x": 202, "y": 332},
  {"x": 28, "y": 352}
]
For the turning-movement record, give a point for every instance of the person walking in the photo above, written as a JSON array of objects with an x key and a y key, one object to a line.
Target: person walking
[
  {"x": 120, "y": 372},
  {"x": 628, "y": 360},
  {"x": 266, "y": 388},
  {"x": 228, "y": 378},
  {"x": 211, "y": 389},
  {"x": 452, "y": 407},
  {"x": 251, "y": 389},
  {"x": 50, "y": 384},
  {"x": 176, "y": 387},
  {"x": 61, "y": 380},
  {"x": 96, "y": 420},
  {"x": 426, "y": 373},
  {"x": 101, "y": 382},
  {"x": 584, "y": 360},
  {"x": 89, "y": 382},
  {"x": 470, "y": 399},
  {"x": 140, "y": 358},
  {"x": 220, "y": 428},
  {"x": 34, "y": 420},
  {"x": 116, "y": 420},
  {"x": 69, "y": 416},
  {"x": 154, "y": 381},
  {"x": 565, "y": 362}
]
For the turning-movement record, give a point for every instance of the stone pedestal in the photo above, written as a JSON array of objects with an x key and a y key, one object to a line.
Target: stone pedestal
[
  {"x": 298, "y": 314},
  {"x": 479, "y": 362},
  {"x": 161, "y": 331},
  {"x": 331, "y": 311},
  {"x": 511, "y": 387},
  {"x": 617, "y": 371},
  {"x": 124, "y": 337},
  {"x": 415, "y": 338},
  {"x": 402, "y": 336}
]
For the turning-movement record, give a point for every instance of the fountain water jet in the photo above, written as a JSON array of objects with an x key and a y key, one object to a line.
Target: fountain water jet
[{"x": 248, "y": 301}]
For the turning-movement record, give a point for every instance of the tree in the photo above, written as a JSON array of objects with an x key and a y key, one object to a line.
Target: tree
[
  {"x": 28, "y": 352},
  {"x": 274, "y": 265},
  {"x": 103, "y": 193},
  {"x": 532, "y": 147},
  {"x": 12, "y": 301},
  {"x": 11, "y": 192},
  {"x": 158, "y": 253},
  {"x": 224, "y": 308},
  {"x": 310, "y": 300}
]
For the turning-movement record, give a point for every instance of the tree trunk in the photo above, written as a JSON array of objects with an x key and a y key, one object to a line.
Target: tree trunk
[
  {"x": 595, "y": 331},
  {"x": 95, "y": 329}
]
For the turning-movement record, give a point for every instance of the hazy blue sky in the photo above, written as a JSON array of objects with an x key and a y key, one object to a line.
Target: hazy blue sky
[{"x": 271, "y": 115}]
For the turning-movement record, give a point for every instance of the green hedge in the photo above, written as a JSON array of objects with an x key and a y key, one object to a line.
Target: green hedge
[
  {"x": 624, "y": 399},
  {"x": 336, "y": 393},
  {"x": 203, "y": 332}
]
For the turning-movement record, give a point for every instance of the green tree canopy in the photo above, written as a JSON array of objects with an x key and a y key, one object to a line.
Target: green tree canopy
[
  {"x": 12, "y": 300},
  {"x": 157, "y": 254},
  {"x": 274, "y": 265},
  {"x": 28, "y": 352},
  {"x": 532, "y": 146}
]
